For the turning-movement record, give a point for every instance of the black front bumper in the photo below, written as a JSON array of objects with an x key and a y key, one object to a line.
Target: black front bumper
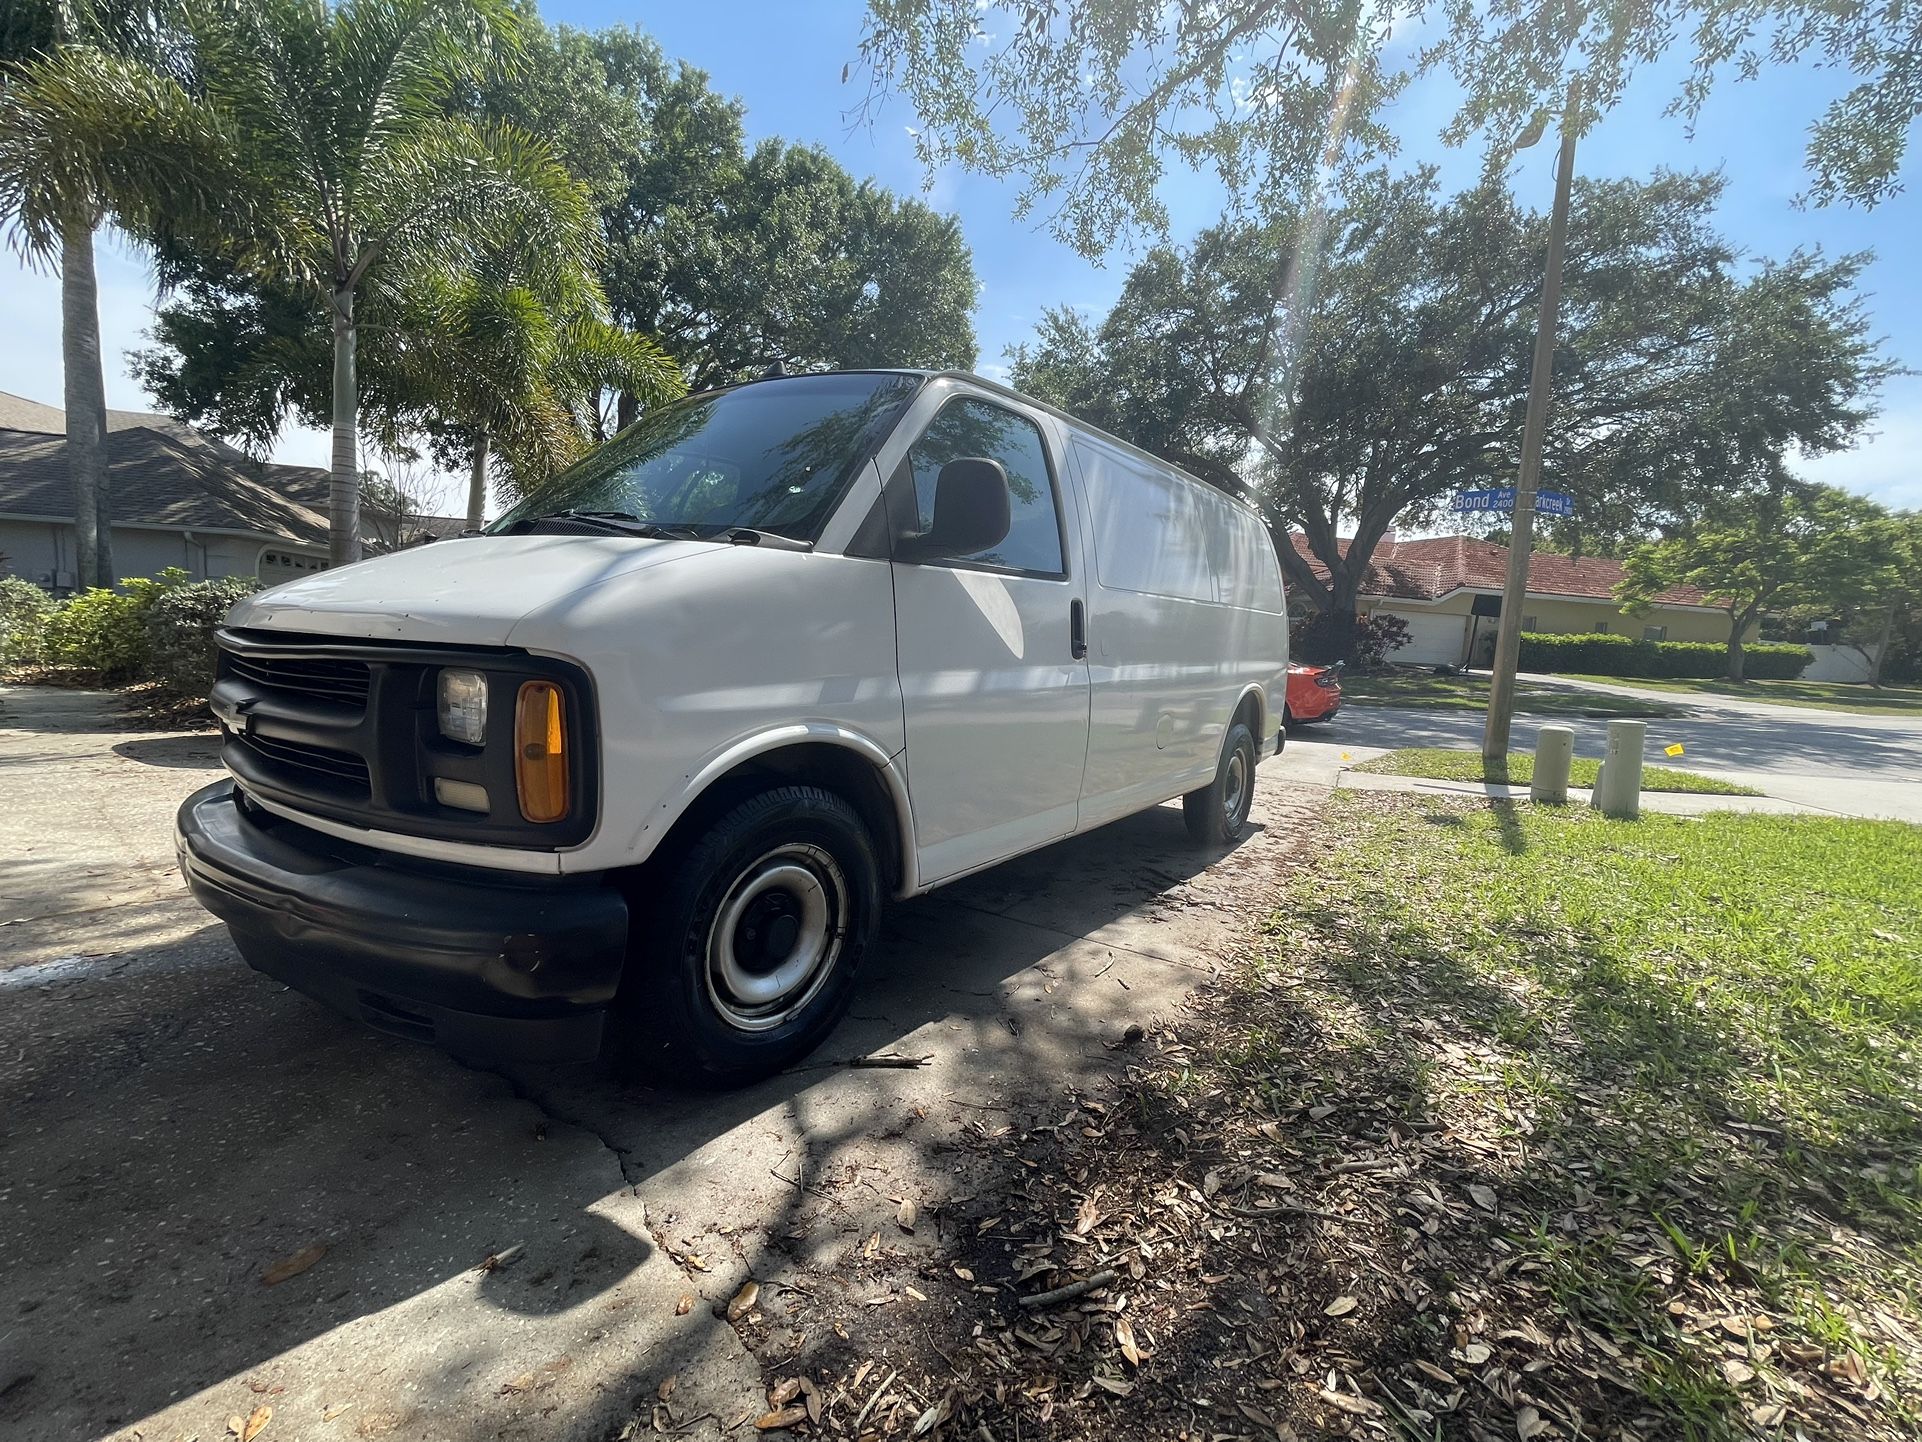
[{"x": 487, "y": 964}]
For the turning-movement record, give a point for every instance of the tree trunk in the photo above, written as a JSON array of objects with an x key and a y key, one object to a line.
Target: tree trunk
[
  {"x": 1882, "y": 646},
  {"x": 343, "y": 489},
  {"x": 1737, "y": 625},
  {"x": 626, "y": 410},
  {"x": 477, "y": 485},
  {"x": 86, "y": 400}
]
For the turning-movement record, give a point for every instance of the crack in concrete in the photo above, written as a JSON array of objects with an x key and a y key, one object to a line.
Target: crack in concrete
[{"x": 546, "y": 1108}]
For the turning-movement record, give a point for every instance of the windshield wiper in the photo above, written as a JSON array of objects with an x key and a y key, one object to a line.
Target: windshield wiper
[
  {"x": 748, "y": 536},
  {"x": 624, "y": 523}
]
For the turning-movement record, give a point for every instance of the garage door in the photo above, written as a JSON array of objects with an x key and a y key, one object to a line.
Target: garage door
[{"x": 1432, "y": 640}]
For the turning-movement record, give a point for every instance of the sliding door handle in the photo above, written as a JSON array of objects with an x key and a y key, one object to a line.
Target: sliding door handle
[{"x": 1078, "y": 629}]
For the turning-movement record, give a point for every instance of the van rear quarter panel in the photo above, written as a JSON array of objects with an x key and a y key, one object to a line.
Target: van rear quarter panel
[
  {"x": 1185, "y": 615},
  {"x": 752, "y": 644}
]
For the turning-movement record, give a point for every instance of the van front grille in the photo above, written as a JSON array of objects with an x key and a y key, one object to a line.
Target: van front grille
[
  {"x": 339, "y": 772},
  {"x": 344, "y": 683}
]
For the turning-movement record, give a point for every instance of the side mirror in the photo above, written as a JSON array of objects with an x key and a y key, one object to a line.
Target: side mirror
[{"x": 971, "y": 511}]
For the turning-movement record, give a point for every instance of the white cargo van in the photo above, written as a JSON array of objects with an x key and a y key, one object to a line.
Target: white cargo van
[{"x": 641, "y": 763}]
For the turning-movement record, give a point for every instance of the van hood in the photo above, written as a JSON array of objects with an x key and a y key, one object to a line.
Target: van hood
[{"x": 471, "y": 591}]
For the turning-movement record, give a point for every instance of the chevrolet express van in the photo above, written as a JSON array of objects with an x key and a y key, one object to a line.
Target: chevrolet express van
[{"x": 635, "y": 769}]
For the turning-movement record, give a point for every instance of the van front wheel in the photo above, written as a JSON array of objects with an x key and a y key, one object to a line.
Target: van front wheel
[
  {"x": 1217, "y": 814},
  {"x": 747, "y": 955}
]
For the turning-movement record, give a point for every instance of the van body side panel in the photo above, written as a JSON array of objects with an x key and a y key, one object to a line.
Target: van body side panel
[
  {"x": 1185, "y": 615},
  {"x": 996, "y": 700},
  {"x": 752, "y": 642}
]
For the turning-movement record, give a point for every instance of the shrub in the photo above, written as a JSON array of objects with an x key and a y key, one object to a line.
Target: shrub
[
  {"x": 97, "y": 633},
  {"x": 1313, "y": 638},
  {"x": 180, "y": 633},
  {"x": 24, "y": 609},
  {"x": 102, "y": 634},
  {"x": 1604, "y": 655}
]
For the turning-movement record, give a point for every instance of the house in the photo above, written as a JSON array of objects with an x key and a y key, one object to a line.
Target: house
[
  {"x": 179, "y": 498},
  {"x": 1448, "y": 589}
]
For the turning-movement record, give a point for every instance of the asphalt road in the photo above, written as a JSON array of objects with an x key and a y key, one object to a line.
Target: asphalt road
[
  {"x": 173, "y": 1126},
  {"x": 1832, "y": 761}
]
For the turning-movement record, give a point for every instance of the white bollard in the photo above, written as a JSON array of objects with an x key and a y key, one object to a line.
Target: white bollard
[
  {"x": 1554, "y": 753},
  {"x": 1618, "y": 789}
]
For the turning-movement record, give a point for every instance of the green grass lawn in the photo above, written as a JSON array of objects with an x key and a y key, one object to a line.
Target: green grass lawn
[
  {"x": 1819, "y": 695},
  {"x": 1412, "y": 686},
  {"x": 1628, "y": 1114},
  {"x": 1442, "y": 764}
]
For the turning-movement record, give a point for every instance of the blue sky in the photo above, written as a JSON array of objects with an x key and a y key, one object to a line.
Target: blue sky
[{"x": 784, "y": 60}]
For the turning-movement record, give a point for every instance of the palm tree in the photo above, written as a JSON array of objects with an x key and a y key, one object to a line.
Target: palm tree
[
  {"x": 358, "y": 175},
  {"x": 95, "y": 126},
  {"x": 513, "y": 356}
]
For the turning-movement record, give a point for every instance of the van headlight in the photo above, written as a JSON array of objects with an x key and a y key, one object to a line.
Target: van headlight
[{"x": 461, "y": 707}]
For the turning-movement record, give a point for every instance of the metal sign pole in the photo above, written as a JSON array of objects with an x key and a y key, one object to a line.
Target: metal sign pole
[{"x": 1508, "y": 632}]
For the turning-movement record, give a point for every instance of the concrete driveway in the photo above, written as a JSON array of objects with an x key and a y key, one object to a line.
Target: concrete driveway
[
  {"x": 1836, "y": 762},
  {"x": 215, "y": 1196}
]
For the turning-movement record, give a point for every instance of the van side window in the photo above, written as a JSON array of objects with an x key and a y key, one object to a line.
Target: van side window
[{"x": 969, "y": 427}]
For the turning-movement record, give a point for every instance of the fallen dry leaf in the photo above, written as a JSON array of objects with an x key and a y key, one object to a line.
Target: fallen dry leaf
[
  {"x": 1529, "y": 1423},
  {"x": 1085, "y": 1217},
  {"x": 1357, "y": 1406},
  {"x": 258, "y": 1420},
  {"x": 666, "y": 1389},
  {"x": 1120, "y": 1386},
  {"x": 1483, "y": 1197},
  {"x": 685, "y": 1305},
  {"x": 784, "y": 1391},
  {"x": 293, "y": 1266},
  {"x": 1341, "y": 1307},
  {"x": 1768, "y": 1414},
  {"x": 744, "y": 1300},
  {"x": 1124, "y": 1336},
  {"x": 776, "y": 1421},
  {"x": 907, "y": 1216}
]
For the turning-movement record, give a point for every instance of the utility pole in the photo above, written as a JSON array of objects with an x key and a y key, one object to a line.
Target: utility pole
[{"x": 1521, "y": 540}]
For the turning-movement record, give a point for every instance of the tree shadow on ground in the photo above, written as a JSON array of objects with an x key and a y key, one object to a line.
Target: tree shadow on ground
[{"x": 182, "y": 1126}]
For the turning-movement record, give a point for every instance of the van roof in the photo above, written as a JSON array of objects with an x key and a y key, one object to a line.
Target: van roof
[{"x": 1027, "y": 400}]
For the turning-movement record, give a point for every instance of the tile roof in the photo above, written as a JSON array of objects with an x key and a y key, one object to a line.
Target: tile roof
[{"x": 1427, "y": 570}]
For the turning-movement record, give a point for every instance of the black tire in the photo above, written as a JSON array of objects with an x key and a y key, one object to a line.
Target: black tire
[
  {"x": 704, "y": 1000},
  {"x": 1217, "y": 814}
]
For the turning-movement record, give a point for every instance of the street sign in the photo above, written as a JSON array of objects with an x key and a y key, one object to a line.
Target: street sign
[{"x": 1500, "y": 499}]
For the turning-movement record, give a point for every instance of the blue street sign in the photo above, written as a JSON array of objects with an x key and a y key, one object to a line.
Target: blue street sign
[{"x": 1501, "y": 499}]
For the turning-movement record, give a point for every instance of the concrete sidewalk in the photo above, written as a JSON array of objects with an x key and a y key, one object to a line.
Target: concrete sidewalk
[{"x": 217, "y": 1196}]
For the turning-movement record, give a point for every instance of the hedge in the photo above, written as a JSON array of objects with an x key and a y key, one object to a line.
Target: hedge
[
  {"x": 159, "y": 630},
  {"x": 24, "y": 609},
  {"x": 1605, "y": 655}
]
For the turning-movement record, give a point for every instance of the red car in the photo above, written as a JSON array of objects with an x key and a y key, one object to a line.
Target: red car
[{"x": 1314, "y": 694}]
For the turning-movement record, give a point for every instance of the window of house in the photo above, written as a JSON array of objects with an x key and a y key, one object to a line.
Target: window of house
[
  {"x": 1528, "y": 624},
  {"x": 1601, "y": 628},
  {"x": 969, "y": 427},
  {"x": 1654, "y": 633}
]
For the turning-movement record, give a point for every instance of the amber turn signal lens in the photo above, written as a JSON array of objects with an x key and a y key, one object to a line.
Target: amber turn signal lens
[{"x": 540, "y": 752}]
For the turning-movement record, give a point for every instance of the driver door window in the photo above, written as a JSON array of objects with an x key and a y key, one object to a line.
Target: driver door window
[{"x": 969, "y": 427}]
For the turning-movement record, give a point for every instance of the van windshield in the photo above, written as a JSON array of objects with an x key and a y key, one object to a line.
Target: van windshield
[{"x": 772, "y": 456}]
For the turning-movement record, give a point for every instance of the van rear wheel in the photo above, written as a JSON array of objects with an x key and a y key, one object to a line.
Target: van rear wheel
[
  {"x": 746, "y": 956},
  {"x": 1217, "y": 814}
]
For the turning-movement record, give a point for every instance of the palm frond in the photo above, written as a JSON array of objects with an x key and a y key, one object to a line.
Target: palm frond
[{"x": 91, "y": 134}]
